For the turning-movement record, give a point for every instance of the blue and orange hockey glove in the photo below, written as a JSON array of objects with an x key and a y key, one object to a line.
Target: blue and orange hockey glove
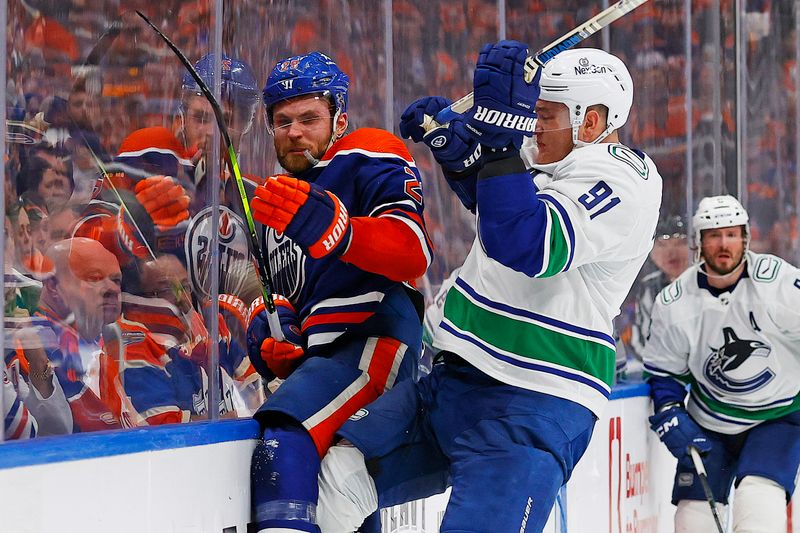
[
  {"x": 308, "y": 214},
  {"x": 164, "y": 199},
  {"x": 268, "y": 356}
]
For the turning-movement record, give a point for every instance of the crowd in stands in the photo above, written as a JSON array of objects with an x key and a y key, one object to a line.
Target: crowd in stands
[{"x": 100, "y": 339}]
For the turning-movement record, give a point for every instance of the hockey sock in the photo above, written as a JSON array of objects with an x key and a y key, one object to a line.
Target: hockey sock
[{"x": 284, "y": 475}]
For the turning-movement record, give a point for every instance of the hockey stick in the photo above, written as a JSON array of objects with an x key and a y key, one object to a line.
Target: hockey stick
[
  {"x": 255, "y": 249},
  {"x": 701, "y": 473},
  {"x": 537, "y": 60}
]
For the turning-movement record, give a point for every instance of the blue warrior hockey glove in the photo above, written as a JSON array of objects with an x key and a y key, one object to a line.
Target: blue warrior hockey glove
[
  {"x": 452, "y": 146},
  {"x": 455, "y": 149},
  {"x": 678, "y": 431},
  {"x": 503, "y": 110}
]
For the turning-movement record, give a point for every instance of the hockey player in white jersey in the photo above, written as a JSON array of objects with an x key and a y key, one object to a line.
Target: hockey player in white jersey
[
  {"x": 527, "y": 354},
  {"x": 729, "y": 326}
]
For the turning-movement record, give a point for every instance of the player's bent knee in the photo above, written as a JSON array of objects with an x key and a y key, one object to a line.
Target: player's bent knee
[
  {"x": 759, "y": 506},
  {"x": 695, "y": 515},
  {"x": 347, "y": 493}
]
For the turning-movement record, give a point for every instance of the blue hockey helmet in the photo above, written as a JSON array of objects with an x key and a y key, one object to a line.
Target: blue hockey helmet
[
  {"x": 307, "y": 74},
  {"x": 239, "y": 85}
]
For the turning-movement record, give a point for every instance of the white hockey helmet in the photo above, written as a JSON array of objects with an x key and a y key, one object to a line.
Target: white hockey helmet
[
  {"x": 719, "y": 212},
  {"x": 583, "y": 77}
]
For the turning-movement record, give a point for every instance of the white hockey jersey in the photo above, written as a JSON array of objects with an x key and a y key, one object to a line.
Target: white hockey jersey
[
  {"x": 740, "y": 351},
  {"x": 551, "y": 332}
]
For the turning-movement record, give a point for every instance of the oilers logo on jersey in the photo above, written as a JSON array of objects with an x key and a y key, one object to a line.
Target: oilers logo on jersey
[
  {"x": 287, "y": 264},
  {"x": 726, "y": 368},
  {"x": 233, "y": 251}
]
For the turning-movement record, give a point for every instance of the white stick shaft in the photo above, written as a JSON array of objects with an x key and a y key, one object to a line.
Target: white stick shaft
[
  {"x": 698, "y": 462},
  {"x": 585, "y": 30}
]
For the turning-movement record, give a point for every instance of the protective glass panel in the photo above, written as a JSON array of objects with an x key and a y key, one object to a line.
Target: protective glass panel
[
  {"x": 653, "y": 42},
  {"x": 435, "y": 48},
  {"x": 768, "y": 36},
  {"x": 113, "y": 177}
]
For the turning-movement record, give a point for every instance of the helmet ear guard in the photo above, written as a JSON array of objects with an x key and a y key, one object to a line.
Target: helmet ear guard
[{"x": 584, "y": 77}]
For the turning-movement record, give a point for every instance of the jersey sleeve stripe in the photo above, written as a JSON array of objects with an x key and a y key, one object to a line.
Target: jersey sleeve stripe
[
  {"x": 566, "y": 224},
  {"x": 392, "y": 205},
  {"x": 656, "y": 371},
  {"x": 558, "y": 246},
  {"x": 317, "y": 339},
  {"x": 153, "y": 150},
  {"x": 425, "y": 244}
]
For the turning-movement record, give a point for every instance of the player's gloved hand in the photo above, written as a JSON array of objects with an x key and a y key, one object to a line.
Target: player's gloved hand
[
  {"x": 678, "y": 431},
  {"x": 138, "y": 236},
  {"x": 164, "y": 199},
  {"x": 455, "y": 149},
  {"x": 268, "y": 356},
  {"x": 308, "y": 214},
  {"x": 503, "y": 111}
]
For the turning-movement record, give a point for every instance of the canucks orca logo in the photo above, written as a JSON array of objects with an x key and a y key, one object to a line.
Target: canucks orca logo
[{"x": 721, "y": 367}]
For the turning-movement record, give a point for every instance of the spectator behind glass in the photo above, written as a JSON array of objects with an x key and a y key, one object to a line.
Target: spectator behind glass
[
  {"x": 165, "y": 278},
  {"x": 46, "y": 180},
  {"x": 108, "y": 384}
]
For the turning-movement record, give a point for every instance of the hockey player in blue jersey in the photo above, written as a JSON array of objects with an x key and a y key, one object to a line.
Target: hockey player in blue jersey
[
  {"x": 343, "y": 233},
  {"x": 730, "y": 326},
  {"x": 527, "y": 354}
]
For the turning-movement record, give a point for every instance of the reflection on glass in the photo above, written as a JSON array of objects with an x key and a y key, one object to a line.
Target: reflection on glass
[{"x": 108, "y": 140}]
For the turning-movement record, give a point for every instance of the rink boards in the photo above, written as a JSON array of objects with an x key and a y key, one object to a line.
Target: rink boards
[{"x": 194, "y": 478}]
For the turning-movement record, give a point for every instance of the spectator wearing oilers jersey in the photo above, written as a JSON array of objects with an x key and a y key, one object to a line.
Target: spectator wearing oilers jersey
[
  {"x": 80, "y": 300},
  {"x": 343, "y": 231},
  {"x": 165, "y": 307}
]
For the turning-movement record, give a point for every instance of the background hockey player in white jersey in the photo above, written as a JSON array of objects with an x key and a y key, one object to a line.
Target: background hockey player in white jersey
[
  {"x": 527, "y": 355},
  {"x": 730, "y": 326}
]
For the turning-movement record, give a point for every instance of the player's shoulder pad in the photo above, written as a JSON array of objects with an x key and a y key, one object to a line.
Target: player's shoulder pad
[
  {"x": 677, "y": 290},
  {"x": 629, "y": 158},
  {"x": 370, "y": 141},
  {"x": 766, "y": 268},
  {"x": 609, "y": 160},
  {"x": 156, "y": 137},
  {"x": 671, "y": 293}
]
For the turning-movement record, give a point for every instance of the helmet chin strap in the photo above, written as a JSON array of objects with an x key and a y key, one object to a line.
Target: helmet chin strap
[
  {"x": 738, "y": 267},
  {"x": 577, "y": 122}
]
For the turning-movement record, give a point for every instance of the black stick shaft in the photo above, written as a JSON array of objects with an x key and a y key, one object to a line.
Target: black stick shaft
[{"x": 255, "y": 249}]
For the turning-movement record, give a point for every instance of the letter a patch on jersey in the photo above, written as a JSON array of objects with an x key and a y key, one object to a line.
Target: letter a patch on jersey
[{"x": 413, "y": 186}]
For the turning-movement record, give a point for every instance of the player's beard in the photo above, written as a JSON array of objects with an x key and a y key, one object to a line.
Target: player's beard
[
  {"x": 295, "y": 162},
  {"x": 719, "y": 269}
]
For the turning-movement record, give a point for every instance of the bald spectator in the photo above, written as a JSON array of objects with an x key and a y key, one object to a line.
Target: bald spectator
[{"x": 107, "y": 382}]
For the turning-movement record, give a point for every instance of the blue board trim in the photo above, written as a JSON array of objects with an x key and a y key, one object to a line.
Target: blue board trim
[
  {"x": 629, "y": 390},
  {"x": 107, "y": 443},
  {"x": 80, "y": 446}
]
